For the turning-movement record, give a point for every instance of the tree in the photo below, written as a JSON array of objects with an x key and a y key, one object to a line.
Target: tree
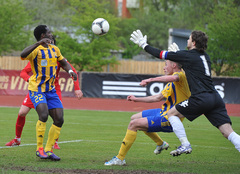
[
  {"x": 153, "y": 20},
  {"x": 53, "y": 13},
  {"x": 88, "y": 51},
  {"x": 223, "y": 45},
  {"x": 127, "y": 27},
  {"x": 13, "y": 19}
]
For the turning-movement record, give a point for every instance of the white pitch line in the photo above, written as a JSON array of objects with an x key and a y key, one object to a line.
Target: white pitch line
[
  {"x": 62, "y": 142},
  {"x": 76, "y": 141}
]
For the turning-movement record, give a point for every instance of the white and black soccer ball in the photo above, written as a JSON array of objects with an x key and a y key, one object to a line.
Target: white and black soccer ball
[{"x": 100, "y": 26}]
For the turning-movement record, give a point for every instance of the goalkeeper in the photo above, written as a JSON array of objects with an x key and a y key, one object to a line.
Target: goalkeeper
[
  {"x": 204, "y": 97},
  {"x": 155, "y": 120}
]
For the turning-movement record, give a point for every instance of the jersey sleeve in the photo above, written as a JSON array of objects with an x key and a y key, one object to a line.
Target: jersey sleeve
[
  {"x": 179, "y": 56},
  {"x": 32, "y": 55},
  {"x": 25, "y": 73},
  {"x": 58, "y": 54},
  {"x": 76, "y": 83}
]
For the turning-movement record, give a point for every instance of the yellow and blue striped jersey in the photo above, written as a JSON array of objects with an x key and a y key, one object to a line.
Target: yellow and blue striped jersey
[
  {"x": 44, "y": 65},
  {"x": 175, "y": 92}
]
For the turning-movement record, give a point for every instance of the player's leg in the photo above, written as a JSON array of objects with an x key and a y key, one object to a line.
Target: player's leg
[
  {"x": 151, "y": 115},
  {"x": 19, "y": 126},
  {"x": 131, "y": 135},
  {"x": 136, "y": 116},
  {"x": 55, "y": 146},
  {"x": 178, "y": 128},
  {"x": 220, "y": 119},
  {"x": 23, "y": 111},
  {"x": 58, "y": 91},
  {"x": 56, "y": 112},
  {"x": 40, "y": 104},
  {"x": 129, "y": 139},
  {"x": 127, "y": 143},
  {"x": 191, "y": 109},
  {"x": 42, "y": 110},
  {"x": 228, "y": 132},
  {"x": 153, "y": 135},
  {"x": 55, "y": 129},
  {"x": 54, "y": 132}
]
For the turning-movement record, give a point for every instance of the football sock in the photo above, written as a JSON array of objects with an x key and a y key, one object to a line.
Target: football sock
[
  {"x": 19, "y": 126},
  {"x": 235, "y": 139},
  {"x": 128, "y": 140},
  {"x": 40, "y": 131},
  {"x": 179, "y": 130},
  {"x": 155, "y": 137},
  {"x": 53, "y": 135}
]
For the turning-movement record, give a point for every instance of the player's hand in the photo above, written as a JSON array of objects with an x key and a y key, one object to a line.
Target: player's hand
[
  {"x": 45, "y": 41},
  {"x": 137, "y": 38},
  {"x": 78, "y": 94},
  {"x": 173, "y": 47},
  {"x": 72, "y": 74},
  {"x": 131, "y": 98},
  {"x": 145, "y": 82}
]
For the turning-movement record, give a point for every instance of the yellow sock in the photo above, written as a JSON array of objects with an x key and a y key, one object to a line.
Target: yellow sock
[
  {"x": 155, "y": 137},
  {"x": 40, "y": 131},
  {"x": 129, "y": 139},
  {"x": 53, "y": 135}
]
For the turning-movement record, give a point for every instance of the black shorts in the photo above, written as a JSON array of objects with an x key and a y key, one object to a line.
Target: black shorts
[{"x": 209, "y": 104}]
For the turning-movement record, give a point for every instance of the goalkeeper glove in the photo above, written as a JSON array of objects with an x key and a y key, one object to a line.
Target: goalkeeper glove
[
  {"x": 173, "y": 47},
  {"x": 137, "y": 38}
]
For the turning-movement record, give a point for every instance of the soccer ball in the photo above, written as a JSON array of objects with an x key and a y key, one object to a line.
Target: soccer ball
[{"x": 100, "y": 26}]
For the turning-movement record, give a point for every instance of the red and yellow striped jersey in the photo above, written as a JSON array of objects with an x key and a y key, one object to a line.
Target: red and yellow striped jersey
[{"x": 44, "y": 66}]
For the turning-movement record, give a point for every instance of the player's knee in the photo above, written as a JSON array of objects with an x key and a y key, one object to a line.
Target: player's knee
[
  {"x": 136, "y": 116},
  {"x": 133, "y": 125},
  {"x": 133, "y": 117},
  {"x": 59, "y": 122},
  {"x": 22, "y": 114}
]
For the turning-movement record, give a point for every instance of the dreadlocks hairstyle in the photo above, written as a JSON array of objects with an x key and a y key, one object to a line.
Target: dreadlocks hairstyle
[
  {"x": 200, "y": 39},
  {"x": 39, "y": 30}
]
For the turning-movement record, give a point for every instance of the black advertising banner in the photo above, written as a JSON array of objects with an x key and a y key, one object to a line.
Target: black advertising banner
[
  {"x": 109, "y": 85},
  {"x": 228, "y": 88}
]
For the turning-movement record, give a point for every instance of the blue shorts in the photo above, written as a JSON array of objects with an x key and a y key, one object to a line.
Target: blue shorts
[
  {"x": 50, "y": 98},
  {"x": 156, "y": 121}
]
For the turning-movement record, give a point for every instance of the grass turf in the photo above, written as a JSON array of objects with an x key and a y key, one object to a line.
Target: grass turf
[{"x": 89, "y": 138}]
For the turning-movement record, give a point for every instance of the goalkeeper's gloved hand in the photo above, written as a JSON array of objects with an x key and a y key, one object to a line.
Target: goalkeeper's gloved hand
[
  {"x": 137, "y": 38},
  {"x": 173, "y": 47}
]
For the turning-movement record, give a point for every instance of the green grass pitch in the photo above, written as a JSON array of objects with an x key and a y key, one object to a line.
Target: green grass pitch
[{"x": 89, "y": 138}]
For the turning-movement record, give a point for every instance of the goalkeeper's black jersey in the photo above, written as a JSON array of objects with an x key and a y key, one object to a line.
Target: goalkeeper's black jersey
[{"x": 197, "y": 67}]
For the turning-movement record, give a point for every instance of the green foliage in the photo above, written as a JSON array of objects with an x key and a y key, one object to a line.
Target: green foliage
[
  {"x": 220, "y": 17},
  {"x": 89, "y": 138},
  {"x": 13, "y": 19},
  {"x": 188, "y": 14},
  {"x": 223, "y": 45},
  {"x": 127, "y": 26},
  {"x": 90, "y": 52},
  {"x": 153, "y": 21},
  {"x": 48, "y": 12}
]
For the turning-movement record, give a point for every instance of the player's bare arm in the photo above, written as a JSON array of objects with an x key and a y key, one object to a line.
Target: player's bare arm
[
  {"x": 149, "y": 99},
  {"x": 167, "y": 78},
  {"x": 68, "y": 69},
  {"x": 29, "y": 49}
]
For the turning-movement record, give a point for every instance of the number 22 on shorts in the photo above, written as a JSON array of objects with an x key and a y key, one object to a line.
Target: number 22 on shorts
[{"x": 38, "y": 98}]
